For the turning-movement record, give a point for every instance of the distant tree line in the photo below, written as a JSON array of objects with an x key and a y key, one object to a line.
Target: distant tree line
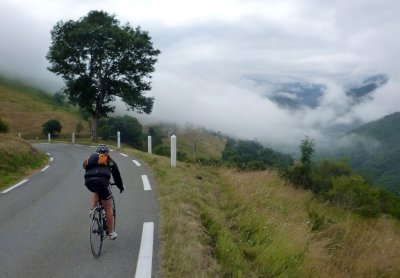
[{"x": 251, "y": 155}]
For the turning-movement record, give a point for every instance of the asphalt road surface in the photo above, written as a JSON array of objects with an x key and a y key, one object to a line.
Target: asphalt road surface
[{"x": 44, "y": 221}]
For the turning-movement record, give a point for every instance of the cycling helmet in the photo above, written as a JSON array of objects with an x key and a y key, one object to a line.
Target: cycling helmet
[{"x": 102, "y": 148}]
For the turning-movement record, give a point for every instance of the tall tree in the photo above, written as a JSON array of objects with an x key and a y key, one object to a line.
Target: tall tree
[{"x": 99, "y": 60}]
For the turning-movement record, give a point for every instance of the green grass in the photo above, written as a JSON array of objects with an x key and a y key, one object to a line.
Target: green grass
[{"x": 18, "y": 159}]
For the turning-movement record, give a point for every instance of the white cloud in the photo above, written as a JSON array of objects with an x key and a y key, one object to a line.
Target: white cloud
[{"x": 211, "y": 48}]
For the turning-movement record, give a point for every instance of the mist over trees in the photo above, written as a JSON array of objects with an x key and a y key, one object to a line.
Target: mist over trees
[
  {"x": 129, "y": 128},
  {"x": 100, "y": 60},
  {"x": 336, "y": 182}
]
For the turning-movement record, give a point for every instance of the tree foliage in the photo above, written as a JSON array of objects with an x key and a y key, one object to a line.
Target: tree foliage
[
  {"x": 3, "y": 126},
  {"x": 129, "y": 128},
  {"x": 250, "y": 155},
  {"x": 52, "y": 127},
  {"x": 100, "y": 60}
]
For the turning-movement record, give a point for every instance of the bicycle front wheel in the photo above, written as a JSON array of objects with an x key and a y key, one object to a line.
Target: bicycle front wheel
[
  {"x": 96, "y": 234},
  {"x": 114, "y": 210}
]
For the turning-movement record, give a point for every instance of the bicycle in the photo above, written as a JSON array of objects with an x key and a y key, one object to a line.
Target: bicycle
[{"x": 98, "y": 226}]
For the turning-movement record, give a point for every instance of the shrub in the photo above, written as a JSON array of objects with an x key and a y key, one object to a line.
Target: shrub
[
  {"x": 52, "y": 127},
  {"x": 3, "y": 127},
  {"x": 352, "y": 192},
  {"x": 322, "y": 173},
  {"x": 79, "y": 127}
]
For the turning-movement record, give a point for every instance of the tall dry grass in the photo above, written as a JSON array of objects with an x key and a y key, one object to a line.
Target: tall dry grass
[
  {"x": 26, "y": 113},
  {"x": 223, "y": 223}
]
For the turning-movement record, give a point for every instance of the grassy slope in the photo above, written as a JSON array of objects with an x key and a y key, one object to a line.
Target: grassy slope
[
  {"x": 199, "y": 144},
  {"x": 25, "y": 109},
  {"x": 221, "y": 223},
  {"x": 18, "y": 159}
]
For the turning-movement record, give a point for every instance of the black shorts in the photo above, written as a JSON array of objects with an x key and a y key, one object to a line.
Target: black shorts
[{"x": 99, "y": 185}]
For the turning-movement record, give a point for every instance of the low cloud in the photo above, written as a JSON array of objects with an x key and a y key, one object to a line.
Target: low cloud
[{"x": 219, "y": 62}]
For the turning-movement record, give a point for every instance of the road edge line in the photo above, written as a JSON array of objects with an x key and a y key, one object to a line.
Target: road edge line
[
  {"x": 144, "y": 263},
  {"x": 14, "y": 186}
]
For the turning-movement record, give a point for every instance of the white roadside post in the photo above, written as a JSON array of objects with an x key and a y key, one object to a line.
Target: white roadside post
[
  {"x": 119, "y": 139},
  {"x": 173, "y": 151},
  {"x": 149, "y": 144},
  {"x": 19, "y": 134},
  {"x": 73, "y": 137},
  {"x": 49, "y": 137}
]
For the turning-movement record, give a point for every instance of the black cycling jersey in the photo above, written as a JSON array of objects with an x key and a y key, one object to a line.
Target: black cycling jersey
[{"x": 93, "y": 168}]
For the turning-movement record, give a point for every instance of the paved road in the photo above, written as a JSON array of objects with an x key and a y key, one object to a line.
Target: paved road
[{"x": 44, "y": 223}]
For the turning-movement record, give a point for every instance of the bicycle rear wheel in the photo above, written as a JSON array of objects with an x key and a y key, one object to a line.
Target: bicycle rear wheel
[{"x": 96, "y": 233}]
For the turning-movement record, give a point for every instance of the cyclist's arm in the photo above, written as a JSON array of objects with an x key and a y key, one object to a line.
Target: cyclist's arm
[{"x": 117, "y": 176}]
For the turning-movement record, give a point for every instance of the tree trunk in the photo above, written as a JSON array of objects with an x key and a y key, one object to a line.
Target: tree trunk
[{"x": 95, "y": 121}]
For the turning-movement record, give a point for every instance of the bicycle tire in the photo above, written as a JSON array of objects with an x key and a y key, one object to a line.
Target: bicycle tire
[
  {"x": 114, "y": 210},
  {"x": 96, "y": 234}
]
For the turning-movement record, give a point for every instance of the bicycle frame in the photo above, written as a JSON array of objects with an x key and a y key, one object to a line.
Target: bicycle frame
[{"x": 98, "y": 226}]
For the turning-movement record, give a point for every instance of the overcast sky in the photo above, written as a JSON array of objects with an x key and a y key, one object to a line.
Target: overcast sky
[{"x": 214, "y": 50}]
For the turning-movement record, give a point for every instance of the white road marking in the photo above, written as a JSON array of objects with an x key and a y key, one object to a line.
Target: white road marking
[
  {"x": 136, "y": 162},
  {"x": 51, "y": 158},
  {"x": 123, "y": 154},
  {"x": 14, "y": 186},
  {"x": 45, "y": 168},
  {"x": 146, "y": 183},
  {"x": 143, "y": 268},
  {"x": 48, "y": 154}
]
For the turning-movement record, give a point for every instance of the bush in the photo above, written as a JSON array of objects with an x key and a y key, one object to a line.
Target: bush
[
  {"x": 52, "y": 127},
  {"x": 3, "y": 127},
  {"x": 162, "y": 150},
  {"x": 322, "y": 173},
  {"x": 297, "y": 174},
  {"x": 352, "y": 192}
]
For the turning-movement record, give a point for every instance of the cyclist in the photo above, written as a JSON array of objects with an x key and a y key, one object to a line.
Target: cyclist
[{"x": 99, "y": 167}]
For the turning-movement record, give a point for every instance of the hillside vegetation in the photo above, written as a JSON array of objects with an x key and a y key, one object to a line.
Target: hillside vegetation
[
  {"x": 18, "y": 159},
  {"x": 218, "y": 222},
  {"x": 374, "y": 150},
  {"x": 25, "y": 109}
]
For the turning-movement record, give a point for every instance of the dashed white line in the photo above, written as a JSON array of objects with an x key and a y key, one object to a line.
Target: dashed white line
[
  {"x": 45, "y": 168},
  {"x": 146, "y": 183},
  {"x": 123, "y": 154},
  {"x": 14, "y": 186},
  {"x": 143, "y": 268},
  {"x": 136, "y": 162},
  {"x": 51, "y": 158}
]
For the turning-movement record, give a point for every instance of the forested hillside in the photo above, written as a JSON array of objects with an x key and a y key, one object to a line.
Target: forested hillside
[{"x": 374, "y": 150}]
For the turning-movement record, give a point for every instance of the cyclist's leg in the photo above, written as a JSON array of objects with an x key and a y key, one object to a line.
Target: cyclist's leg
[
  {"x": 95, "y": 199},
  {"x": 105, "y": 196},
  {"x": 109, "y": 215},
  {"x": 92, "y": 185}
]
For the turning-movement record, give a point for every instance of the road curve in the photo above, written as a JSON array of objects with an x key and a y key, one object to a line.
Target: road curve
[{"x": 44, "y": 222}]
